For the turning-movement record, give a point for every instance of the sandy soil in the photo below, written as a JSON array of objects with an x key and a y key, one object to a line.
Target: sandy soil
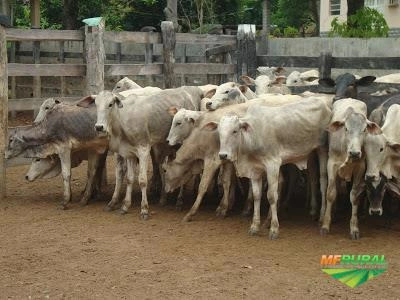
[{"x": 85, "y": 252}]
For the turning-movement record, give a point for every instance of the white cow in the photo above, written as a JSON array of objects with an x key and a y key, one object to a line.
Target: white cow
[
  {"x": 391, "y": 78},
  {"x": 299, "y": 79},
  {"x": 125, "y": 84},
  {"x": 266, "y": 85},
  {"x": 348, "y": 129},
  {"x": 383, "y": 160},
  {"x": 293, "y": 131},
  {"x": 136, "y": 127}
]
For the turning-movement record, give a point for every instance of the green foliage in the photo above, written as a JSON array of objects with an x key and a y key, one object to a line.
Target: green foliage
[
  {"x": 290, "y": 32},
  {"x": 288, "y": 13},
  {"x": 365, "y": 23},
  {"x": 277, "y": 32}
]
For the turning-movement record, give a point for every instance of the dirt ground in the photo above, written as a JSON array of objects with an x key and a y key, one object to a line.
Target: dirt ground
[{"x": 86, "y": 253}]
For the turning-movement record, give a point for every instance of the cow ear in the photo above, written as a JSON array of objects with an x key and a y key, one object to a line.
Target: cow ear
[
  {"x": 280, "y": 80},
  {"x": 373, "y": 128},
  {"x": 335, "y": 126},
  {"x": 193, "y": 118},
  {"x": 87, "y": 101},
  {"x": 247, "y": 80},
  {"x": 243, "y": 88},
  {"x": 311, "y": 78},
  {"x": 244, "y": 126},
  {"x": 279, "y": 70},
  {"x": 327, "y": 82},
  {"x": 210, "y": 126},
  {"x": 394, "y": 146},
  {"x": 172, "y": 110},
  {"x": 210, "y": 93},
  {"x": 118, "y": 100},
  {"x": 366, "y": 80}
]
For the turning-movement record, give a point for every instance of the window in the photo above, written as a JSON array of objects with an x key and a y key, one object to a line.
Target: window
[
  {"x": 335, "y": 7},
  {"x": 376, "y": 4}
]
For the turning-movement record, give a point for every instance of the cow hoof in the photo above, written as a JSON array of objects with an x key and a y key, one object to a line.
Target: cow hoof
[
  {"x": 62, "y": 207},
  {"x": 187, "y": 218},
  {"x": 314, "y": 217},
  {"x": 123, "y": 211},
  {"x": 144, "y": 216},
  {"x": 83, "y": 203},
  {"x": 178, "y": 207},
  {"x": 253, "y": 232},
  {"x": 108, "y": 208},
  {"x": 355, "y": 235},
  {"x": 273, "y": 235},
  {"x": 220, "y": 212},
  {"x": 324, "y": 231},
  {"x": 245, "y": 213}
]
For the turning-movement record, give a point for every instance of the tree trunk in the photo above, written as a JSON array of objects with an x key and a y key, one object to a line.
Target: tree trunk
[
  {"x": 353, "y": 6},
  {"x": 171, "y": 13},
  {"x": 314, "y": 7},
  {"x": 70, "y": 14}
]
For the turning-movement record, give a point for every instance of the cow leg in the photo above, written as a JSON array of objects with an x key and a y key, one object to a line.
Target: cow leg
[
  {"x": 65, "y": 158},
  {"x": 272, "y": 169},
  {"x": 249, "y": 202},
  {"x": 226, "y": 178},
  {"x": 312, "y": 173},
  {"x": 163, "y": 194},
  {"x": 357, "y": 188},
  {"x": 256, "y": 185},
  {"x": 330, "y": 195},
  {"x": 291, "y": 176},
  {"x": 210, "y": 167},
  {"x": 130, "y": 176},
  {"x": 143, "y": 155},
  {"x": 179, "y": 199},
  {"x": 120, "y": 172},
  {"x": 93, "y": 162},
  {"x": 323, "y": 180}
]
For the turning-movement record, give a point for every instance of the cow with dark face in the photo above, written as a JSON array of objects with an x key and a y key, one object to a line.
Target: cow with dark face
[{"x": 346, "y": 85}]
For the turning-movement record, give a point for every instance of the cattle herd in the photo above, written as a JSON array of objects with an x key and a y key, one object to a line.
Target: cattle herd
[{"x": 200, "y": 133}]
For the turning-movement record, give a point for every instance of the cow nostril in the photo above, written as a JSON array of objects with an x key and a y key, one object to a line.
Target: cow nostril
[
  {"x": 208, "y": 104},
  {"x": 26, "y": 177},
  {"x": 369, "y": 177},
  {"x": 98, "y": 127},
  {"x": 223, "y": 156},
  {"x": 355, "y": 154}
]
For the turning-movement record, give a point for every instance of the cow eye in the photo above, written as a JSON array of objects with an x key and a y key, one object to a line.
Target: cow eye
[
  {"x": 380, "y": 150},
  {"x": 46, "y": 107},
  {"x": 178, "y": 123},
  {"x": 226, "y": 92},
  {"x": 235, "y": 131},
  {"x": 110, "y": 105},
  {"x": 37, "y": 159}
]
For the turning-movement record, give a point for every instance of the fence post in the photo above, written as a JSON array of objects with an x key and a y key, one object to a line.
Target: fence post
[
  {"x": 246, "y": 47},
  {"x": 325, "y": 65},
  {"x": 169, "y": 42},
  {"x": 3, "y": 110},
  {"x": 95, "y": 57}
]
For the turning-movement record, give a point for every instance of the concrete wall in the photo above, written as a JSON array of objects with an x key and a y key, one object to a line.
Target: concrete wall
[{"x": 340, "y": 47}]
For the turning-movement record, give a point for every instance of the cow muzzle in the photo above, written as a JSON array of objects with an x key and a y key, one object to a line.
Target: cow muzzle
[
  {"x": 371, "y": 178},
  {"x": 355, "y": 154},
  {"x": 375, "y": 211},
  {"x": 223, "y": 156},
  {"x": 99, "y": 127}
]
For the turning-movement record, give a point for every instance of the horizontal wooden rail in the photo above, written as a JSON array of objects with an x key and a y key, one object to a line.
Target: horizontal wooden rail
[
  {"x": 132, "y": 69},
  {"x": 46, "y": 69},
  {"x": 203, "y": 68},
  {"x": 133, "y": 37},
  {"x": 18, "y": 161},
  {"x": 337, "y": 62},
  {"x": 190, "y": 38},
  {"x": 34, "y": 103},
  {"x": 13, "y": 34}
]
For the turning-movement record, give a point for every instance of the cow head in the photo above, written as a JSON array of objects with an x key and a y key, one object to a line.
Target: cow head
[
  {"x": 46, "y": 106},
  {"x": 105, "y": 102},
  {"x": 125, "y": 84},
  {"x": 355, "y": 126},
  {"x": 226, "y": 94},
  {"x": 346, "y": 85},
  {"x": 44, "y": 168},
  {"x": 16, "y": 144},
  {"x": 177, "y": 173},
  {"x": 182, "y": 124},
  {"x": 263, "y": 83},
  {"x": 229, "y": 129}
]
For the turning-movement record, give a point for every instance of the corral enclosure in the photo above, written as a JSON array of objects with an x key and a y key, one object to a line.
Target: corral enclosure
[{"x": 85, "y": 252}]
